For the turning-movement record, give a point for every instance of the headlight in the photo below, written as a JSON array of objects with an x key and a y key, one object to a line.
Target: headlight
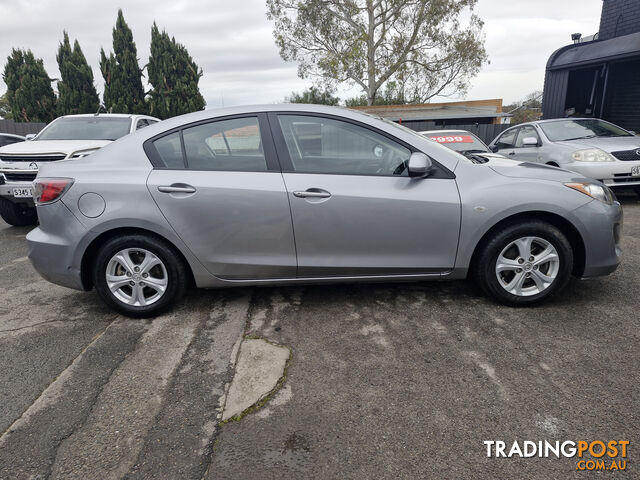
[
  {"x": 592, "y": 155},
  {"x": 83, "y": 153},
  {"x": 599, "y": 192}
]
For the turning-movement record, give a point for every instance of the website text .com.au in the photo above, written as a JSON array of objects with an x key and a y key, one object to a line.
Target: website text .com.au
[{"x": 592, "y": 455}]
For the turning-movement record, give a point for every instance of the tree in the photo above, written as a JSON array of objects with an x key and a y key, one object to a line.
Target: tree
[
  {"x": 174, "y": 77},
  {"x": 123, "y": 91},
  {"x": 76, "y": 91},
  {"x": 419, "y": 43},
  {"x": 29, "y": 91},
  {"x": 314, "y": 95},
  {"x": 526, "y": 110},
  {"x": 5, "y": 108},
  {"x": 393, "y": 94}
]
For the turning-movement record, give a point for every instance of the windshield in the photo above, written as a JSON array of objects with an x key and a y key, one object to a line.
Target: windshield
[
  {"x": 581, "y": 128},
  {"x": 458, "y": 141},
  {"x": 86, "y": 128}
]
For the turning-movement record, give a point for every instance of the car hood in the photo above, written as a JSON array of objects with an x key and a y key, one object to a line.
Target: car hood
[
  {"x": 51, "y": 146},
  {"x": 538, "y": 171},
  {"x": 608, "y": 144}
]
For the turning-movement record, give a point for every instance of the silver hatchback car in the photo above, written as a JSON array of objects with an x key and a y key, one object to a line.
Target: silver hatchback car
[
  {"x": 297, "y": 194},
  {"x": 589, "y": 146}
]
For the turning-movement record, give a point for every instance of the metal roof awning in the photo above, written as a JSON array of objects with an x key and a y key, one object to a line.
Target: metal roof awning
[{"x": 596, "y": 51}]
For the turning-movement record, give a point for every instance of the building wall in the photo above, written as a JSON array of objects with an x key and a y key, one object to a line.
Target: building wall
[
  {"x": 20, "y": 128},
  {"x": 623, "y": 105},
  {"x": 619, "y": 17}
]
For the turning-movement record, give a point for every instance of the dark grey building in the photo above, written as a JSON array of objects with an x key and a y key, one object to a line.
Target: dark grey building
[{"x": 599, "y": 76}]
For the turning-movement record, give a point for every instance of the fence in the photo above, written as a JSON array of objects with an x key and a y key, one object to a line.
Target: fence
[
  {"x": 20, "y": 128},
  {"x": 486, "y": 132}
]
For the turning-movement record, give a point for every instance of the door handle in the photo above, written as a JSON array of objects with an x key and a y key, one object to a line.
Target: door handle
[
  {"x": 174, "y": 189},
  {"x": 311, "y": 194},
  {"x": 512, "y": 153}
]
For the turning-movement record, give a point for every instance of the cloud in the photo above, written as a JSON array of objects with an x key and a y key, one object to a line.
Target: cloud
[{"x": 233, "y": 42}]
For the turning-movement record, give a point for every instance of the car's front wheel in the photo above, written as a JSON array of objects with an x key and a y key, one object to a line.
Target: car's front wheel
[
  {"x": 17, "y": 214},
  {"x": 524, "y": 263},
  {"x": 138, "y": 275}
]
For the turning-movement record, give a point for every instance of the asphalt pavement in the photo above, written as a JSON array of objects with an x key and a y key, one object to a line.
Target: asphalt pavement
[{"x": 384, "y": 381}]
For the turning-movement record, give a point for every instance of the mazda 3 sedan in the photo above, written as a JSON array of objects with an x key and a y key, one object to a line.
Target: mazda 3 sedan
[{"x": 298, "y": 194}]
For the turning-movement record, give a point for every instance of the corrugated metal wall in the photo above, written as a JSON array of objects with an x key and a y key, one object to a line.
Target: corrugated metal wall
[
  {"x": 20, "y": 128},
  {"x": 622, "y": 105},
  {"x": 555, "y": 93}
]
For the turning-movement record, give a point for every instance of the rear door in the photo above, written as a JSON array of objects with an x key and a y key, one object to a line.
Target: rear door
[
  {"x": 355, "y": 210},
  {"x": 219, "y": 185}
]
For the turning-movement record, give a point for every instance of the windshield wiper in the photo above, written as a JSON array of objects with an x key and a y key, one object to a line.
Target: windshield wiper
[{"x": 579, "y": 138}]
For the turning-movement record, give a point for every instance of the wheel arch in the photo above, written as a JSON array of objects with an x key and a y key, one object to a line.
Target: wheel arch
[
  {"x": 90, "y": 252},
  {"x": 561, "y": 223}
]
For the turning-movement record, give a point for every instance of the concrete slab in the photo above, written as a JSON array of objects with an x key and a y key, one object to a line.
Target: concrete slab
[{"x": 259, "y": 367}]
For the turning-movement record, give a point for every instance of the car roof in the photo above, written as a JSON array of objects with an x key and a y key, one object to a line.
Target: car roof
[
  {"x": 109, "y": 115},
  {"x": 429, "y": 132}
]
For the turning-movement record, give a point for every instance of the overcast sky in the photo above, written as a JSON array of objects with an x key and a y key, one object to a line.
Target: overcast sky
[{"x": 233, "y": 43}]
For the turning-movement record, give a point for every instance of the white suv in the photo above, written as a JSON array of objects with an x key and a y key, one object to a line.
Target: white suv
[{"x": 68, "y": 137}]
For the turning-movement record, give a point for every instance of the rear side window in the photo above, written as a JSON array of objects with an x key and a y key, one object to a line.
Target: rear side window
[
  {"x": 506, "y": 139},
  {"x": 233, "y": 145},
  {"x": 170, "y": 150}
]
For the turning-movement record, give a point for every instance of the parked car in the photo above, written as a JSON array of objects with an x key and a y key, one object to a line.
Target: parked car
[
  {"x": 9, "y": 138},
  {"x": 589, "y": 146},
  {"x": 295, "y": 194},
  {"x": 462, "y": 141},
  {"x": 69, "y": 137}
]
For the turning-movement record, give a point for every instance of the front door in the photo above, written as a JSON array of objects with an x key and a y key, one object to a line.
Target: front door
[
  {"x": 527, "y": 153},
  {"x": 355, "y": 210},
  {"x": 220, "y": 187}
]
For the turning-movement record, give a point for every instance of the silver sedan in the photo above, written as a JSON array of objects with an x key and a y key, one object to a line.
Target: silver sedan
[
  {"x": 298, "y": 194},
  {"x": 591, "y": 147}
]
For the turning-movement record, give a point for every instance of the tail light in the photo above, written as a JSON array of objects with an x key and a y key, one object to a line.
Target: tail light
[{"x": 48, "y": 190}]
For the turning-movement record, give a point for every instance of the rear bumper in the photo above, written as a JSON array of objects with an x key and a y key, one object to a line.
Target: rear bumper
[{"x": 53, "y": 247}]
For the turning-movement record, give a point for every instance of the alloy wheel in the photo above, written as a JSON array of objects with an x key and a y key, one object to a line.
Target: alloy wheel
[
  {"x": 527, "y": 266},
  {"x": 136, "y": 277}
]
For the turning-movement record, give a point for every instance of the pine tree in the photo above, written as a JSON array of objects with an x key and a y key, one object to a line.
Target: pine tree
[
  {"x": 76, "y": 92},
  {"x": 174, "y": 77},
  {"x": 28, "y": 88},
  {"x": 123, "y": 91}
]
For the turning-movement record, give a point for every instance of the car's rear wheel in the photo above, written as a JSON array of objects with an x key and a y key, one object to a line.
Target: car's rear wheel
[
  {"x": 17, "y": 214},
  {"x": 524, "y": 263},
  {"x": 637, "y": 190},
  {"x": 139, "y": 276}
]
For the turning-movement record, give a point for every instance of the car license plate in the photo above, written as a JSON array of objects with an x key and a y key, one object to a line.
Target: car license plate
[
  {"x": 23, "y": 192},
  {"x": 635, "y": 171}
]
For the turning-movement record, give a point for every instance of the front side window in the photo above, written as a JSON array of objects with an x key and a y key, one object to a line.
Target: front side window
[
  {"x": 506, "y": 139},
  {"x": 234, "y": 145},
  {"x": 325, "y": 145},
  {"x": 86, "y": 128},
  {"x": 526, "y": 132}
]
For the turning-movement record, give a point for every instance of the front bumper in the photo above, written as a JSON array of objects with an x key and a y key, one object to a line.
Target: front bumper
[
  {"x": 601, "y": 227},
  {"x": 613, "y": 174},
  {"x": 7, "y": 190}
]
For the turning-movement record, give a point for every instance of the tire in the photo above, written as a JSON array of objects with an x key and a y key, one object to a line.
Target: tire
[
  {"x": 531, "y": 282},
  {"x": 121, "y": 256},
  {"x": 17, "y": 214},
  {"x": 637, "y": 190}
]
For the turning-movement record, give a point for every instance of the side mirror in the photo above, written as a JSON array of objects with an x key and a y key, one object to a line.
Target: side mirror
[
  {"x": 494, "y": 148},
  {"x": 30, "y": 136},
  {"x": 420, "y": 165},
  {"x": 530, "y": 142}
]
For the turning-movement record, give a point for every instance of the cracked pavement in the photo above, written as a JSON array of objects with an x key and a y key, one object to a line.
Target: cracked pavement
[{"x": 384, "y": 381}]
